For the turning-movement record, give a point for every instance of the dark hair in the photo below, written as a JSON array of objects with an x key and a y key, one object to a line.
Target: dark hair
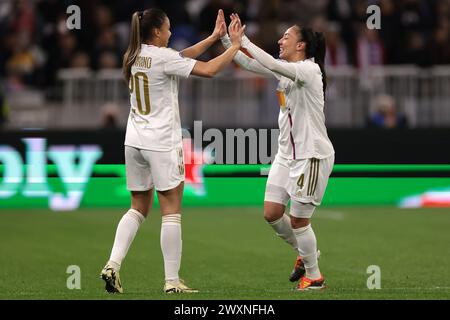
[
  {"x": 315, "y": 48},
  {"x": 142, "y": 25}
]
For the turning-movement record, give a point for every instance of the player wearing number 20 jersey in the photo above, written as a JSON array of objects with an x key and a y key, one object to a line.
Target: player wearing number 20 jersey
[
  {"x": 153, "y": 142},
  {"x": 154, "y": 120}
]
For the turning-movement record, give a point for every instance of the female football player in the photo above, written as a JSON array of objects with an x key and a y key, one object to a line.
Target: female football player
[
  {"x": 153, "y": 142},
  {"x": 305, "y": 155}
]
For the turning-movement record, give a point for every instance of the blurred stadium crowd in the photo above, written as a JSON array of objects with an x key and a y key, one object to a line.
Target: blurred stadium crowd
[{"x": 35, "y": 42}]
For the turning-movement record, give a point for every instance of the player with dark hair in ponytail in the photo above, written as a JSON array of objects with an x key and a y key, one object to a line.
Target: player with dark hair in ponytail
[
  {"x": 315, "y": 48},
  {"x": 305, "y": 155}
]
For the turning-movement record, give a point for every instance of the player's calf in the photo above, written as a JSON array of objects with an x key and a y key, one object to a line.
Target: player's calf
[{"x": 299, "y": 268}]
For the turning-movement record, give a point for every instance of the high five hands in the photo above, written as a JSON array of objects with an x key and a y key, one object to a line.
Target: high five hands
[
  {"x": 236, "y": 30},
  {"x": 220, "y": 28},
  {"x": 235, "y": 16}
]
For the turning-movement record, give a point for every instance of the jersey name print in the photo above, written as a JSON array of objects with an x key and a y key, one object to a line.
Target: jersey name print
[{"x": 143, "y": 62}]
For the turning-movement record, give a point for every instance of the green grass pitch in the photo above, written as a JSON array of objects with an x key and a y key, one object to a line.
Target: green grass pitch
[{"x": 228, "y": 253}]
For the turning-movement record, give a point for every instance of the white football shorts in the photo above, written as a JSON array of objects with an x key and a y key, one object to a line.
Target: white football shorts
[
  {"x": 146, "y": 169},
  {"x": 308, "y": 179},
  {"x": 302, "y": 181},
  {"x": 277, "y": 182}
]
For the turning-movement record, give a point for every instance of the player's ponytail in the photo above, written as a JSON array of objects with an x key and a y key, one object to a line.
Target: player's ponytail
[
  {"x": 142, "y": 25},
  {"x": 134, "y": 47},
  {"x": 319, "y": 57},
  {"x": 315, "y": 48}
]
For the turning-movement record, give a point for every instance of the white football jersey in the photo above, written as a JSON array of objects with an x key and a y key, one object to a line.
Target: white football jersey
[
  {"x": 301, "y": 119},
  {"x": 154, "y": 120}
]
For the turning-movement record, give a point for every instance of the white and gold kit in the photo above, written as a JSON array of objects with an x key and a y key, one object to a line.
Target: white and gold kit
[
  {"x": 305, "y": 157},
  {"x": 153, "y": 141}
]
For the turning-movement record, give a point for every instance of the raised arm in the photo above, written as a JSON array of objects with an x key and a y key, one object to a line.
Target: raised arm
[
  {"x": 213, "y": 66},
  {"x": 280, "y": 67},
  {"x": 245, "y": 61},
  {"x": 266, "y": 60},
  {"x": 197, "y": 49}
]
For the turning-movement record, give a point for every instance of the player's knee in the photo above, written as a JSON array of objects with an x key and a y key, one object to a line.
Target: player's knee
[
  {"x": 269, "y": 216},
  {"x": 299, "y": 222},
  {"x": 143, "y": 211},
  {"x": 141, "y": 201},
  {"x": 273, "y": 212},
  {"x": 301, "y": 213},
  {"x": 141, "y": 208},
  {"x": 166, "y": 210}
]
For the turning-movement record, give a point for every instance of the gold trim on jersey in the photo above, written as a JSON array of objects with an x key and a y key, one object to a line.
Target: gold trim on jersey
[
  {"x": 313, "y": 176},
  {"x": 180, "y": 161}
]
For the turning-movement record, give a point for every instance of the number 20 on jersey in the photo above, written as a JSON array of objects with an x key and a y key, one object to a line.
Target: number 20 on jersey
[{"x": 135, "y": 84}]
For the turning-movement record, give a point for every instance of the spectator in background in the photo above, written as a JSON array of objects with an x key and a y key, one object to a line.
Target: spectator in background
[
  {"x": 108, "y": 60},
  {"x": 104, "y": 18},
  {"x": 61, "y": 55},
  {"x": 413, "y": 32},
  {"x": 22, "y": 64},
  {"x": 107, "y": 45},
  {"x": 415, "y": 18},
  {"x": 415, "y": 15},
  {"x": 268, "y": 32},
  {"x": 24, "y": 18},
  {"x": 80, "y": 60},
  {"x": 369, "y": 48},
  {"x": 336, "y": 50},
  {"x": 389, "y": 33},
  {"x": 110, "y": 115},
  {"x": 207, "y": 17},
  {"x": 21, "y": 58},
  {"x": 340, "y": 11},
  {"x": 386, "y": 115},
  {"x": 417, "y": 50},
  {"x": 67, "y": 46},
  {"x": 440, "y": 49}
]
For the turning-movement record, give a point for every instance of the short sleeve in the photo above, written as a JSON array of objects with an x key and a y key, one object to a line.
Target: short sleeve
[{"x": 176, "y": 64}]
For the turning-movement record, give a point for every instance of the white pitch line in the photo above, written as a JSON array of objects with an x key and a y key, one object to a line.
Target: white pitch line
[
  {"x": 338, "y": 290},
  {"x": 329, "y": 214}
]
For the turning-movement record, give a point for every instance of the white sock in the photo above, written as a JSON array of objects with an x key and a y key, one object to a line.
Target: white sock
[
  {"x": 125, "y": 233},
  {"x": 283, "y": 229},
  {"x": 171, "y": 245},
  {"x": 307, "y": 249}
]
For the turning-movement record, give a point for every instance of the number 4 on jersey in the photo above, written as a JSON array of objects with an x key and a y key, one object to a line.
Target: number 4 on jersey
[{"x": 300, "y": 181}]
